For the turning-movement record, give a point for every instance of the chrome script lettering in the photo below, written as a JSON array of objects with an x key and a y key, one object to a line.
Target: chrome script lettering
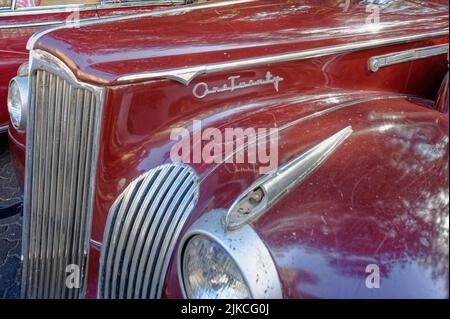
[{"x": 202, "y": 89}]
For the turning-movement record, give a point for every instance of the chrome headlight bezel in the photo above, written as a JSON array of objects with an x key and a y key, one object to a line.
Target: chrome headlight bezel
[
  {"x": 18, "y": 86},
  {"x": 244, "y": 247}
]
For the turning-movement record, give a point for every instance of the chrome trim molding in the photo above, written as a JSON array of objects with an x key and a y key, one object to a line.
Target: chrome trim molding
[
  {"x": 270, "y": 189},
  {"x": 47, "y": 10},
  {"x": 159, "y": 12},
  {"x": 186, "y": 75},
  {"x": 245, "y": 247},
  {"x": 40, "y": 60},
  {"x": 36, "y": 24},
  {"x": 73, "y": 8},
  {"x": 380, "y": 61},
  {"x": 24, "y": 69},
  {"x": 3, "y": 129},
  {"x": 137, "y": 3},
  {"x": 295, "y": 122},
  {"x": 142, "y": 229}
]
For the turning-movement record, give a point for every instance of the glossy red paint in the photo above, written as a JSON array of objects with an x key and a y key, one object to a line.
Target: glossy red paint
[
  {"x": 361, "y": 208},
  {"x": 16, "y": 27},
  {"x": 442, "y": 98},
  {"x": 382, "y": 198},
  {"x": 14, "y": 34},
  {"x": 366, "y": 204},
  {"x": 94, "y": 256},
  {"x": 133, "y": 142},
  {"x": 231, "y": 32}
]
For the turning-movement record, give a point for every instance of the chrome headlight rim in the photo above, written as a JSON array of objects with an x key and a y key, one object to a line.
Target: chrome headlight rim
[
  {"x": 246, "y": 249},
  {"x": 21, "y": 82}
]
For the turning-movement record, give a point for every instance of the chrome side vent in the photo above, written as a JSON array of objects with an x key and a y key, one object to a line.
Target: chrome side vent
[
  {"x": 61, "y": 157},
  {"x": 142, "y": 229}
]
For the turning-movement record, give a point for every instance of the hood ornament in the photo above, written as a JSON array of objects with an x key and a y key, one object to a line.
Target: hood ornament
[
  {"x": 267, "y": 191},
  {"x": 202, "y": 89}
]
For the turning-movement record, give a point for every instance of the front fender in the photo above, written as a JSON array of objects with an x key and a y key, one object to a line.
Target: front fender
[{"x": 380, "y": 199}]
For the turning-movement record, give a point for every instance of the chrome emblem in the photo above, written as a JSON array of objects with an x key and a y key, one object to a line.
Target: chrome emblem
[{"x": 202, "y": 89}]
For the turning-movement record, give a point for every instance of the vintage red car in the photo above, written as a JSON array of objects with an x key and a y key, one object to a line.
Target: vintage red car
[
  {"x": 132, "y": 180},
  {"x": 19, "y": 19}
]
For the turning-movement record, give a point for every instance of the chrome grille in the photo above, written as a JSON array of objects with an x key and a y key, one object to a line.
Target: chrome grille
[
  {"x": 60, "y": 172},
  {"x": 141, "y": 232}
]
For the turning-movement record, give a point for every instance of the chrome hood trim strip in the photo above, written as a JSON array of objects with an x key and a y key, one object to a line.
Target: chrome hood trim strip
[
  {"x": 186, "y": 75},
  {"x": 36, "y": 24}
]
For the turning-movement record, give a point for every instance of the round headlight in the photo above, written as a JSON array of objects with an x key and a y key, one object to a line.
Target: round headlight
[
  {"x": 17, "y": 101},
  {"x": 216, "y": 263},
  {"x": 210, "y": 273}
]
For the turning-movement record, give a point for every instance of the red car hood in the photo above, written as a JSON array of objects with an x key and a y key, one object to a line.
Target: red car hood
[{"x": 228, "y": 31}]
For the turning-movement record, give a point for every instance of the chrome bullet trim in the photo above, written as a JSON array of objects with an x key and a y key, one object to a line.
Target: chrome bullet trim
[{"x": 270, "y": 189}]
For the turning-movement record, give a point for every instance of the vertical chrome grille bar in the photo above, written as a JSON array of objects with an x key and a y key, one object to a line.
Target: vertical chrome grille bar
[
  {"x": 64, "y": 122},
  {"x": 43, "y": 207},
  {"x": 81, "y": 218},
  {"x": 55, "y": 160},
  {"x": 34, "y": 244},
  {"x": 64, "y": 165},
  {"x": 51, "y": 122},
  {"x": 68, "y": 238}
]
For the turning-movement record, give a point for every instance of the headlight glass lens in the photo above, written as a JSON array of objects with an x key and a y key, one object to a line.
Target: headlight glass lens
[
  {"x": 14, "y": 104},
  {"x": 210, "y": 273}
]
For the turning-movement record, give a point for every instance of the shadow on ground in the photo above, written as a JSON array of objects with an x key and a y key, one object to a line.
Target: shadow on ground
[{"x": 10, "y": 226}]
